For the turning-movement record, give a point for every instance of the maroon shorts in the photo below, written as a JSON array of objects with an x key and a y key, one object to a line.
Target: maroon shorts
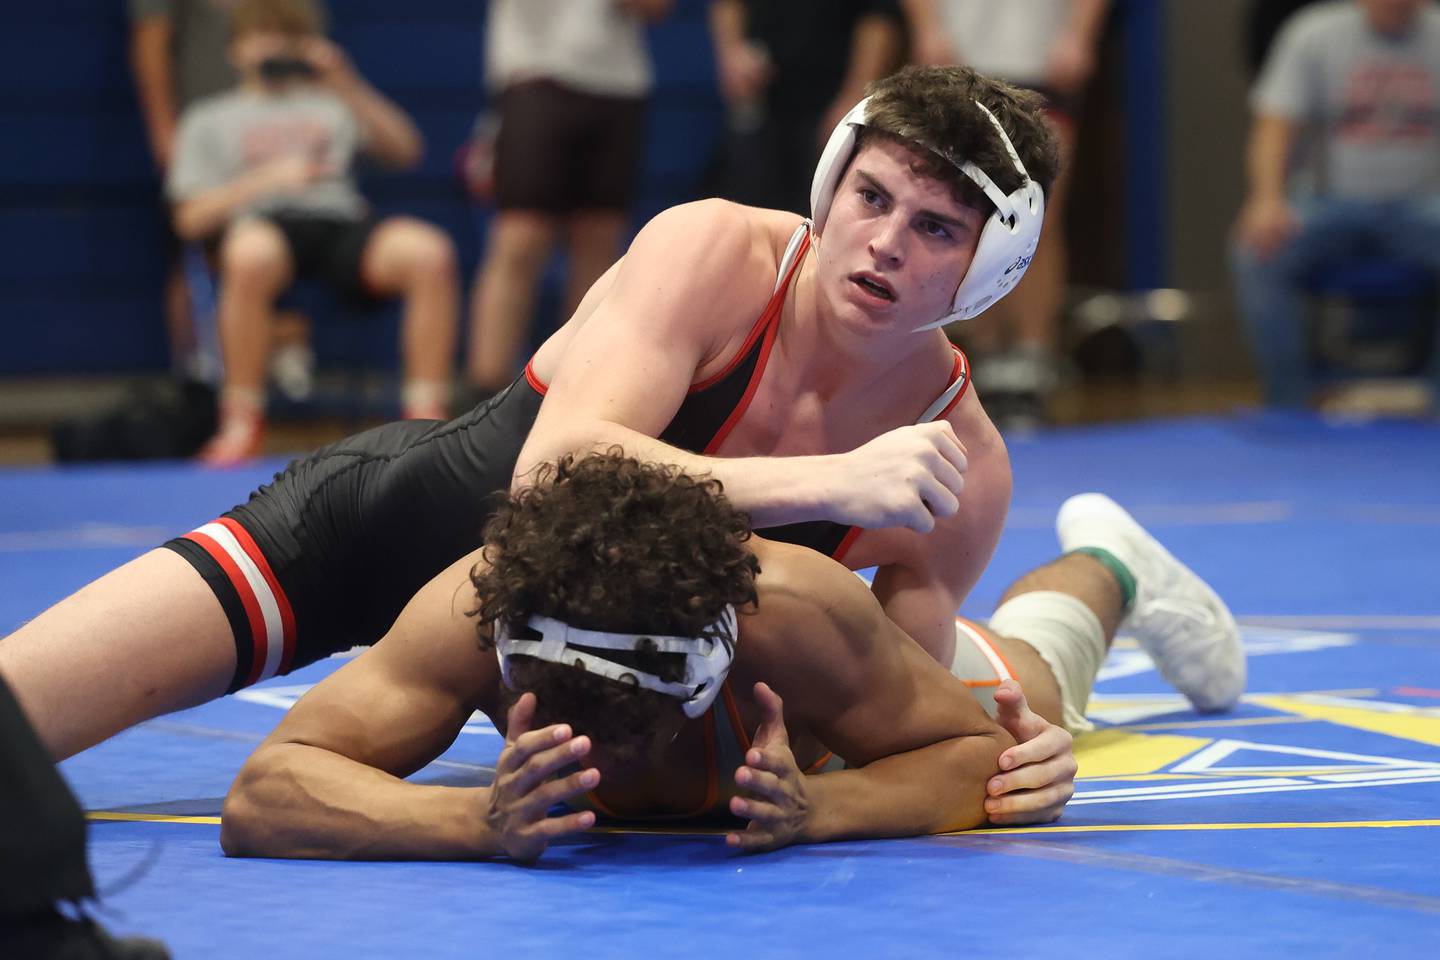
[{"x": 561, "y": 151}]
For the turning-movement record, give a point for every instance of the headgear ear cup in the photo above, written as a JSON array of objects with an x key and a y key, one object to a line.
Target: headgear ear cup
[
  {"x": 833, "y": 160},
  {"x": 1007, "y": 240}
]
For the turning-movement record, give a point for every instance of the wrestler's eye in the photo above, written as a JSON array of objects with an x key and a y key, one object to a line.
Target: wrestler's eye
[
  {"x": 869, "y": 197},
  {"x": 934, "y": 228}
]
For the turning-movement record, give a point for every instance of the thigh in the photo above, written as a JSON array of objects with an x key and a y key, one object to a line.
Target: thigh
[
  {"x": 611, "y": 158},
  {"x": 1023, "y": 663},
  {"x": 145, "y": 639},
  {"x": 1411, "y": 231},
  {"x": 531, "y": 163},
  {"x": 1327, "y": 231}
]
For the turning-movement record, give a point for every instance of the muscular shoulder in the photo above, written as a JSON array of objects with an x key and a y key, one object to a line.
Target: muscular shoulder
[
  {"x": 813, "y": 614},
  {"x": 987, "y": 479},
  {"x": 720, "y": 253}
]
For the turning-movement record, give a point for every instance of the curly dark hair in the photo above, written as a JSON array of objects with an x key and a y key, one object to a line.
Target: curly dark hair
[
  {"x": 933, "y": 109},
  {"x": 608, "y": 542}
]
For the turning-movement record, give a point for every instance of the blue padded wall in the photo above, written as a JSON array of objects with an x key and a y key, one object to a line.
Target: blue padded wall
[{"x": 80, "y": 229}]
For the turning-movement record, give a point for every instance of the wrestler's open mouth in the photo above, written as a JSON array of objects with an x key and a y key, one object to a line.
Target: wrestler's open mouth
[{"x": 874, "y": 287}]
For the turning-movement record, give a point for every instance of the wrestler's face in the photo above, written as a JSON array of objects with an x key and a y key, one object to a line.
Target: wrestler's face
[
  {"x": 896, "y": 243},
  {"x": 632, "y": 758}
]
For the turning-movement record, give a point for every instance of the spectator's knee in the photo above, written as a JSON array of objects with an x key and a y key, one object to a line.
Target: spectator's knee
[
  {"x": 435, "y": 254},
  {"x": 429, "y": 255},
  {"x": 253, "y": 254}
]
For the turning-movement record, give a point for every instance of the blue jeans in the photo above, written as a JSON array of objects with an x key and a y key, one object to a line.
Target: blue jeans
[{"x": 1272, "y": 292}]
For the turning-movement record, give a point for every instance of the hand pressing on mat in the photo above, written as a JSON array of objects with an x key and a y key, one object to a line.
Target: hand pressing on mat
[
  {"x": 774, "y": 797},
  {"x": 1037, "y": 775}
]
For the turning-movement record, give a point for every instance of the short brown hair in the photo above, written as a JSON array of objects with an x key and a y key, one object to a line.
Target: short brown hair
[
  {"x": 297, "y": 18},
  {"x": 608, "y": 542},
  {"x": 932, "y": 111}
]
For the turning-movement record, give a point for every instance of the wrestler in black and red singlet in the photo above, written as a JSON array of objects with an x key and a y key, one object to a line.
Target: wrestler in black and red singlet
[{"x": 325, "y": 557}]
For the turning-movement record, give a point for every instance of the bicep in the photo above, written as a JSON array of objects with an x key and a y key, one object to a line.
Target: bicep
[
  {"x": 862, "y": 685},
  {"x": 671, "y": 303}
]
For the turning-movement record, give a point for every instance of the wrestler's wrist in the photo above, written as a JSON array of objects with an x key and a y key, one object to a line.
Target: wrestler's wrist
[
  {"x": 478, "y": 828},
  {"x": 818, "y": 488}
]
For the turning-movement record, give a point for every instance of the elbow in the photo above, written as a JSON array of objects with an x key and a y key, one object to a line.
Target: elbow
[
  {"x": 973, "y": 760},
  {"x": 242, "y": 831},
  {"x": 404, "y": 151},
  {"x": 409, "y": 153}
]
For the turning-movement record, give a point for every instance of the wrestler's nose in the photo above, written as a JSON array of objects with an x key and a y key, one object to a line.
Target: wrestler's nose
[{"x": 887, "y": 243}]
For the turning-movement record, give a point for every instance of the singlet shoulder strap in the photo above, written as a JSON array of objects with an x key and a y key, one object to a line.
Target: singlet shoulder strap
[
  {"x": 793, "y": 250},
  {"x": 959, "y": 379}
]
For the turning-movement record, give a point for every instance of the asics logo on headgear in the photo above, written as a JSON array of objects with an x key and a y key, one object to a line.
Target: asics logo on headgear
[{"x": 1020, "y": 264}]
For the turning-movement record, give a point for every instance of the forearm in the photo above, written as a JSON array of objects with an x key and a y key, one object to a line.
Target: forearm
[
  {"x": 650, "y": 11},
  {"x": 390, "y": 134},
  {"x": 1087, "y": 17},
  {"x": 924, "y": 16},
  {"x": 1267, "y": 156},
  {"x": 150, "y": 63},
  {"x": 934, "y": 789},
  {"x": 773, "y": 490},
  {"x": 874, "y": 47},
  {"x": 727, "y": 24},
  {"x": 210, "y": 210},
  {"x": 297, "y": 801}
]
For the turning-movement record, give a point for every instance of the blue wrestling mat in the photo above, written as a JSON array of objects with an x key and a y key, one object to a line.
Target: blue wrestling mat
[{"x": 1306, "y": 822}]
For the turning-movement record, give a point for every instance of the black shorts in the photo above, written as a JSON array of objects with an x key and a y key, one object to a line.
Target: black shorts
[
  {"x": 325, "y": 557},
  {"x": 328, "y": 250},
  {"x": 560, "y": 151}
]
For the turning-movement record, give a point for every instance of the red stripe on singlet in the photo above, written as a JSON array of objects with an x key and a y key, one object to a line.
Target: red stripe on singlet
[
  {"x": 287, "y": 615},
  {"x": 961, "y": 369},
  {"x": 247, "y": 600}
]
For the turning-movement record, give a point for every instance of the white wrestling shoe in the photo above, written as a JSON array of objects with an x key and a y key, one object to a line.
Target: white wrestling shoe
[{"x": 1182, "y": 623}]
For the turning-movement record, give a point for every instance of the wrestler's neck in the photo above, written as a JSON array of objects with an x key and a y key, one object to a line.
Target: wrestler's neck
[{"x": 836, "y": 362}]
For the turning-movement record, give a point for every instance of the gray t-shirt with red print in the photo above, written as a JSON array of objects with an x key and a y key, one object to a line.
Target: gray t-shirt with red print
[
  {"x": 233, "y": 133},
  {"x": 1371, "y": 103}
]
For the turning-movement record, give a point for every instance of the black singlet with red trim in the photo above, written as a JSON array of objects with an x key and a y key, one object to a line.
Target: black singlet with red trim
[{"x": 712, "y": 407}]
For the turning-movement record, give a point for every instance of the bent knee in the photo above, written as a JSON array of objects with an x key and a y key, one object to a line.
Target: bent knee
[
  {"x": 254, "y": 251},
  {"x": 409, "y": 250}
]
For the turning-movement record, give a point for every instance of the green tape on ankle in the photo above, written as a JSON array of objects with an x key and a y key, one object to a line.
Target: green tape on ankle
[{"x": 1122, "y": 573}]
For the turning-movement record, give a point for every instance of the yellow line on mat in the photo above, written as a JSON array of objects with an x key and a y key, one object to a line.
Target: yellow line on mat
[
  {"x": 983, "y": 832},
  {"x": 148, "y": 817}
]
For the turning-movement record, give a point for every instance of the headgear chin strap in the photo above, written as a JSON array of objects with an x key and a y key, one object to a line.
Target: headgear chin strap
[
  {"x": 1007, "y": 241},
  {"x": 707, "y": 658}
]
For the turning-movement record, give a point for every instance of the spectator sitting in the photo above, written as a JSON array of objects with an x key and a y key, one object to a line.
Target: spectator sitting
[
  {"x": 264, "y": 172},
  {"x": 1361, "y": 79}
]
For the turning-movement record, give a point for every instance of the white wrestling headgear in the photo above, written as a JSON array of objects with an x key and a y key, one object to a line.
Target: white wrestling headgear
[
  {"x": 1007, "y": 242},
  {"x": 707, "y": 658}
]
